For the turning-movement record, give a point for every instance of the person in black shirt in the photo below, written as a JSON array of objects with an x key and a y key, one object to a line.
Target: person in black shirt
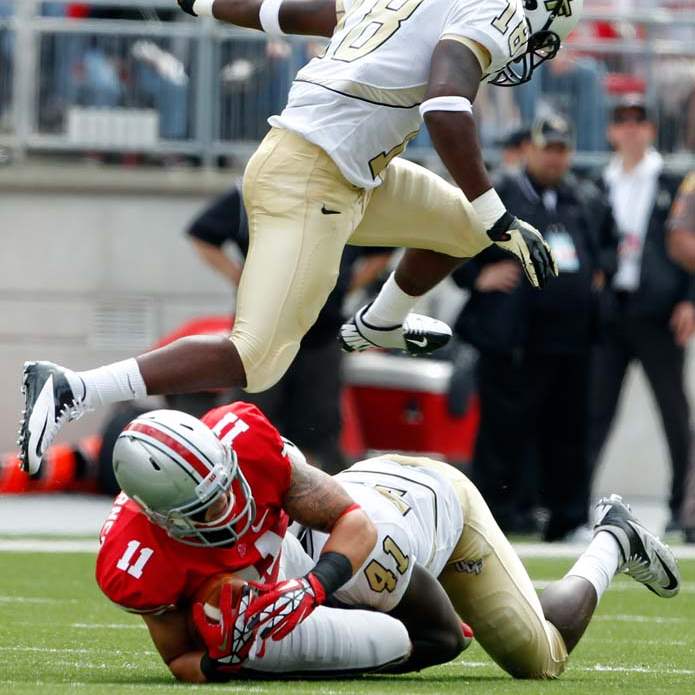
[
  {"x": 305, "y": 404},
  {"x": 535, "y": 346},
  {"x": 653, "y": 317}
]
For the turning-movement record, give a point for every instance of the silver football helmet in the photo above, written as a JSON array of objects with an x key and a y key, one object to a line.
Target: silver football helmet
[
  {"x": 175, "y": 468},
  {"x": 549, "y": 23}
]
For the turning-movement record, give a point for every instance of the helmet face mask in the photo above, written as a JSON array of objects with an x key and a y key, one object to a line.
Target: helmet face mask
[
  {"x": 542, "y": 46},
  {"x": 151, "y": 463},
  {"x": 549, "y": 23}
]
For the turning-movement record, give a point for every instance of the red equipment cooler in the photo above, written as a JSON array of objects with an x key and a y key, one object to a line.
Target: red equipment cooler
[{"x": 401, "y": 405}]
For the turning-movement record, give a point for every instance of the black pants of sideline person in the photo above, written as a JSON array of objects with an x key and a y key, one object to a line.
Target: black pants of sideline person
[
  {"x": 651, "y": 343},
  {"x": 532, "y": 445},
  {"x": 305, "y": 405}
]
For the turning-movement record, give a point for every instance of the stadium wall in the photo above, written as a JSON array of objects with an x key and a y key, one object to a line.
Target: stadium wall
[{"x": 95, "y": 267}]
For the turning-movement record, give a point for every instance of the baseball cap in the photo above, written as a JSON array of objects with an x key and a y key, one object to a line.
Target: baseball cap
[
  {"x": 630, "y": 107},
  {"x": 552, "y": 130},
  {"x": 515, "y": 137}
]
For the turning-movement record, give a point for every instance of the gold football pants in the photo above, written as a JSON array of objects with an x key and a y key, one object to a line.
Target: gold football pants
[
  {"x": 491, "y": 590},
  {"x": 302, "y": 212}
]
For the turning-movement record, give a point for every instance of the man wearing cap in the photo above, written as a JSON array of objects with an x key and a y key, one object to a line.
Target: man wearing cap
[
  {"x": 535, "y": 347},
  {"x": 654, "y": 316},
  {"x": 513, "y": 146}
]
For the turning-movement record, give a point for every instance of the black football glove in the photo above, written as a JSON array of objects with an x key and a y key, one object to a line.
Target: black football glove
[
  {"x": 187, "y": 6},
  {"x": 526, "y": 243}
]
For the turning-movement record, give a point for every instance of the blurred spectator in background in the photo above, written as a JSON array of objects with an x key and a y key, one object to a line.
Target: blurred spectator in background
[
  {"x": 513, "y": 148},
  {"x": 681, "y": 248},
  {"x": 534, "y": 347},
  {"x": 109, "y": 71},
  {"x": 573, "y": 86},
  {"x": 305, "y": 404},
  {"x": 6, "y": 62},
  {"x": 653, "y": 316}
]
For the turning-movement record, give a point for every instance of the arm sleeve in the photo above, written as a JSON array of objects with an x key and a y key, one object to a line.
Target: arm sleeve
[{"x": 487, "y": 24}]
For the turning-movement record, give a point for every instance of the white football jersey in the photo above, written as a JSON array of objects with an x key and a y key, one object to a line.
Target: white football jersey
[
  {"x": 359, "y": 100},
  {"x": 418, "y": 518}
]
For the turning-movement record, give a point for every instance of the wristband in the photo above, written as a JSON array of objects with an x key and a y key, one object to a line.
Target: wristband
[
  {"x": 203, "y": 8},
  {"x": 446, "y": 104},
  {"x": 332, "y": 571},
  {"x": 214, "y": 671},
  {"x": 269, "y": 17},
  {"x": 489, "y": 208}
]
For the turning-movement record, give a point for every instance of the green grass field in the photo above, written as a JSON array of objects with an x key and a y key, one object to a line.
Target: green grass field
[{"x": 59, "y": 635}]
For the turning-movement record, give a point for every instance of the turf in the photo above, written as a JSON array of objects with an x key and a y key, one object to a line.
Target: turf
[{"x": 59, "y": 635}]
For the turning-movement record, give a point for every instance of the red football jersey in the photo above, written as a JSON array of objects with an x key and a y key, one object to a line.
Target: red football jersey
[{"x": 142, "y": 569}]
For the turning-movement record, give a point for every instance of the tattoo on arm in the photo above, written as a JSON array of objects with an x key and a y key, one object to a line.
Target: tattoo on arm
[{"x": 314, "y": 498}]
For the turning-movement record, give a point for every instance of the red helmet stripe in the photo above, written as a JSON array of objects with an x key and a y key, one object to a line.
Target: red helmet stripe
[{"x": 185, "y": 453}]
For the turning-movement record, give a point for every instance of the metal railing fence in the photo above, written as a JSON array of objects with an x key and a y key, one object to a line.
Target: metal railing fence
[{"x": 140, "y": 76}]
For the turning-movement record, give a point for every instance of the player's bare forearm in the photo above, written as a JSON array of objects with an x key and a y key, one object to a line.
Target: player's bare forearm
[
  {"x": 186, "y": 668},
  {"x": 176, "y": 645},
  {"x": 305, "y": 17},
  {"x": 218, "y": 260},
  {"x": 437, "y": 639},
  {"x": 455, "y": 71},
  {"x": 317, "y": 501}
]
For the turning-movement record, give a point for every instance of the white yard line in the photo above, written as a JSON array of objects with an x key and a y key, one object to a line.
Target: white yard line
[
  {"x": 572, "y": 550},
  {"x": 207, "y": 687},
  {"x": 600, "y": 668},
  {"x": 34, "y": 545},
  {"x": 66, "y": 650},
  {"x": 619, "y": 586},
  {"x": 36, "y": 599}
]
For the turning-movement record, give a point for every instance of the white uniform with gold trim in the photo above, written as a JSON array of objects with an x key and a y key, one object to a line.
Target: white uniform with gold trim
[
  {"x": 359, "y": 101},
  {"x": 418, "y": 518}
]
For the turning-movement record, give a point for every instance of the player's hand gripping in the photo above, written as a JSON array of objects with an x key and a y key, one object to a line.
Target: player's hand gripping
[
  {"x": 526, "y": 243},
  {"x": 279, "y": 607},
  {"x": 228, "y": 641}
]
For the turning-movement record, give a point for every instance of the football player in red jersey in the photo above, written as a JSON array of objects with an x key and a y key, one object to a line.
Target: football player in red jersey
[{"x": 214, "y": 496}]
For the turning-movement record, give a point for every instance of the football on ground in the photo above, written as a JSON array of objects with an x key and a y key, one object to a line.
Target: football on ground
[{"x": 209, "y": 592}]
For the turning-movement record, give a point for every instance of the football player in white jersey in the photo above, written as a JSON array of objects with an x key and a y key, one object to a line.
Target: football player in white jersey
[
  {"x": 327, "y": 174},
  {"x": 429, "y": 515},
  {"x": 428, "y": 545}
]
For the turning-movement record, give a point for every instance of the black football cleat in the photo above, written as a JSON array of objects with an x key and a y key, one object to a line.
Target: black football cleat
[
  {"x": 50, "y": 402},
  {"x": 644, "y": 556}
]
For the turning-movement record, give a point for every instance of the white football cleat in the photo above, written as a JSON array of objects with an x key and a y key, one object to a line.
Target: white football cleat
[
  {"x": 417, "y": 335},
  {"x": 645, "y": 557},
  {"x": 49, "y": 403}
]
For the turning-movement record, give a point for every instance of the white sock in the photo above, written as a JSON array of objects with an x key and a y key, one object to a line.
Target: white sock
[
  {"x": 391, "y": 305},
  {"x": 120, "y": 381},
  {"x": 599, "y": 562}
]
